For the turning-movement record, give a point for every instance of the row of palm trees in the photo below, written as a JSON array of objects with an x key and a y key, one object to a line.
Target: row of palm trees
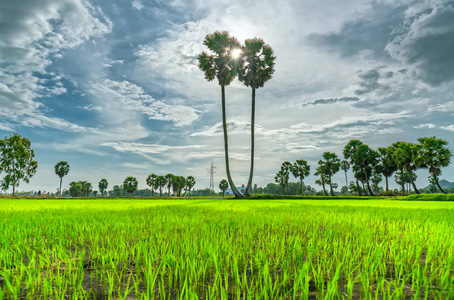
[
  {"x": 367, "y": 164},
  {"x": 82, "y": 188},
  {"x": 253, "y": 63},
  {"x": 177, "y": 183}
]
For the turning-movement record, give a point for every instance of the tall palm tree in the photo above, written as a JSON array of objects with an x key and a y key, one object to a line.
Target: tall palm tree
[
  {"x": 102, "y": 185},
  {"x": 190, "y": 182},
  {"x": 331, "y": 166},
  {"x": 433, "y": 154},
  {"x": 404, "y": 155},
  {"x": 323, "y": 178},
  {"x": 223, "y": 185},
  {"x": 282, "y": 179},
  {"x": 387, "y": 163},
  {"x": 160, "y": 182},
  {"x": 345, "y": 166},
  {"x": 301, "y": 169},
  {"x": 350, "y": 153},
  {"x": 61, "y": 169},
  {"x": 222, "y": 65},
  {"x": 169, "y": 178},
  {"x": 151, "y": 182},
  {"x": 258, "y": 68}
]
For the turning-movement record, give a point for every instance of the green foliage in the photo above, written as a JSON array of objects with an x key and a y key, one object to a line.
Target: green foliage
[
  {"x": 16, "y": 161},
  {"x": 160, "y": 183},
  {"x": 130, "y": 185},
  {"x": 427, "y": 197},
  {"x": 61, "y": 169},
  {"x": 80, "y": 188},
  {"x": 223, "y": 186},
  {"x": 219, "y": 63},
  {"x": 102, "y": 185},
  {"x": 178, "y": 184},
  {"x": 190, "y": 182},
  {"x": 151, "y": 182}
]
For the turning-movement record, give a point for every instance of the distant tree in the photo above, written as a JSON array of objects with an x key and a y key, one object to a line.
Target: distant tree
[
  {"x": 345, "y": 166},
  {"x": 330, "y": 166},
  {"x": 376, "y": 179},
  {"x": 169, "y": 179},
  {"x": 350, "y": 153},
  {"x": 75, "y": 189},
  {"x": 255, "y": 188},
  {"x": 223, "y": 186},
  {"x": 80, "y": 188},
  {"x": 220, "y": 64},
  {"x": 242, "y": 188},
  {"x": 367, "y": 160},
  {"x": 404, "y": 155},
  {"x": 190, "y": 182},
  {"x": 117, "y": 191},
  {"x": 387, "y": 163},
  {"x": 283, "y": 176},
  {"x": 323, "y": 178},
  {"x": 151, "y": 182},
  {"x": 178, "y": 184},
  {"x": 95, "y": 193},
  {"x": 433, "y": 154},
  {"x": 258, "y": 68},
  {"x": 405, "y": 178},
  {"x": 161, "y": 182},
  {"x": 102, "y": 185},
  {"x": 300, "y": 169},
  {"x": 16, "y": 161},
  {"x": 61, "y": 169},
  {"x": 130, "y": 185},
  {"x": 282, "y": 179},
  {"x": 86, "y": 188}
]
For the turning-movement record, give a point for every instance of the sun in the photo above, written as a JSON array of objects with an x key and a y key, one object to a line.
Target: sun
[{"x": 235, "y": 53}]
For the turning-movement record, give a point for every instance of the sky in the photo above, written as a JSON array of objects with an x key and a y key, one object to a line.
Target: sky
[{"x": 113, "y": 87}]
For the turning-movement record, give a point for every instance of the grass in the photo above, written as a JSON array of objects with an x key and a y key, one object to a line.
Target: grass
[{"x": 226, "y": 249}]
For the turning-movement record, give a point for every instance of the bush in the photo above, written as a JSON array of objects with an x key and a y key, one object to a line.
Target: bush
[{"x": 427, "y": 197}]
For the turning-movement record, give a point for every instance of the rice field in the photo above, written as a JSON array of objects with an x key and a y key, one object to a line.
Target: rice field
[{"x": 226, "y": 249}]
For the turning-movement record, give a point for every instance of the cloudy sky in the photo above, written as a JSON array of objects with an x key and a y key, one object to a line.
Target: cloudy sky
[{"x": 114, "y": 88}]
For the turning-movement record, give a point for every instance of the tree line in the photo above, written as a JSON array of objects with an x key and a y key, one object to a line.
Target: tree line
[{"x": 369, "y": 166}]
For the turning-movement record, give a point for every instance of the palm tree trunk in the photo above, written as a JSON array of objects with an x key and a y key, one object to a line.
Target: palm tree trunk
[
  {"x": 14, "y": 188},
  {"x": 438, "y": 184},
  {"x": 61, "y": 178},
  {"x": 301, "y": 186},
  {"x": 369, "y": 189},
  {"x": 324, "y": 190},
  {"x": 413, "y": 183},
  {"x": 251, "y": 172},
  {"x": 358, "y": 187},
  {"x": 402, "y": 183},
  {"x": 226, "y": 147},
  {"x": 331, "y": 186},
  {"x": 346, "y": 180},
  {"x": 386, "y": 179}
]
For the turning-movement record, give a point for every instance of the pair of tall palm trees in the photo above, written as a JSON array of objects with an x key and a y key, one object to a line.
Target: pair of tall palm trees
[{"x": 252, "y": 62}]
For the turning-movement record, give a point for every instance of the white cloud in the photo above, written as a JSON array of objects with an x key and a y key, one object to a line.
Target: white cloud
[
  {"x": 137, "y": 4},
  {"x": 127, "y": 100},
  {"x": 424, "y": 126},
  {"x": 449, "y": 127},
  {"x": 166, "y": 154},
  {"x": 31, "y": 33},
  {"x": 447, "y": 107}
]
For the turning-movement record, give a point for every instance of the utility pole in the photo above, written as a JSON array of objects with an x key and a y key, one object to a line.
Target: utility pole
[{"x": 211, "y": 172}]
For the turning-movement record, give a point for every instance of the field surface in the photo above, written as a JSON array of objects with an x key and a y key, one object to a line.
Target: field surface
[{"x": 226, "y": 249}]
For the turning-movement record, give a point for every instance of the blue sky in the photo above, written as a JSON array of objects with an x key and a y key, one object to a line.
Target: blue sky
[{"x": 114, "y": 89}]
